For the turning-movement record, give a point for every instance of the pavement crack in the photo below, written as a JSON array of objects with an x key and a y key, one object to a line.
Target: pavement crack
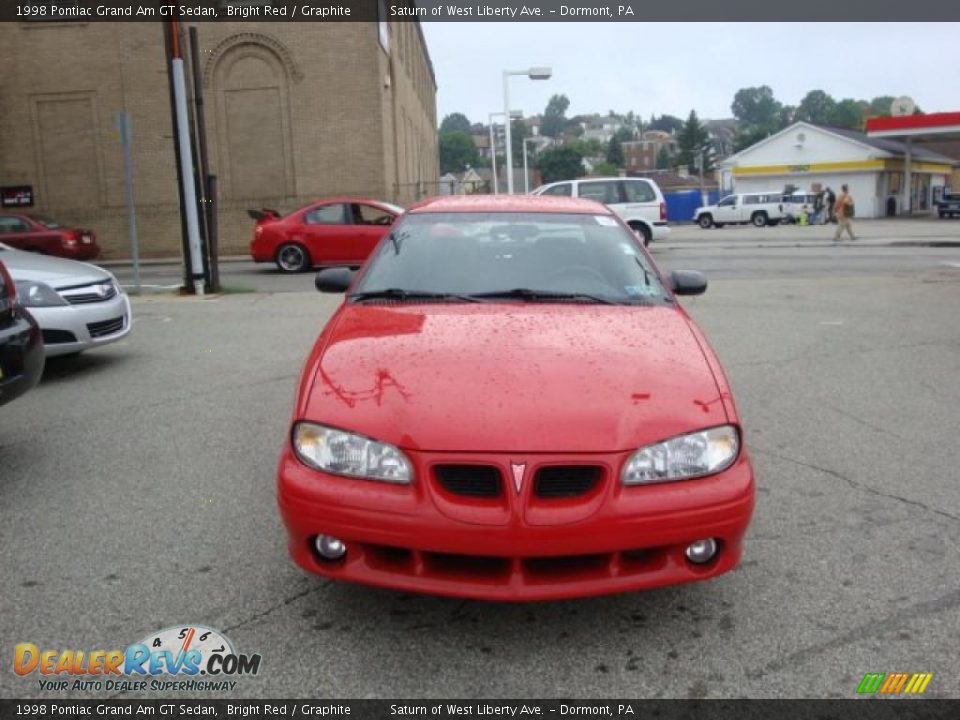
[
  {"x": 857, "y": 485},
  {"x": 863, "y": 422},
  {"x": 278, "y": 606},
  {"x": 870, "y": 628}
]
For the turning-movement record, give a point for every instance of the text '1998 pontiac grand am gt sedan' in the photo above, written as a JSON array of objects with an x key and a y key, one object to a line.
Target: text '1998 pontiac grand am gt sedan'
[{"x": 510, "y": 404}]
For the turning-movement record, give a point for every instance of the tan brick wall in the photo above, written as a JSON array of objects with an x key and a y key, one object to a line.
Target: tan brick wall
[{"x": 295, "y": 112}]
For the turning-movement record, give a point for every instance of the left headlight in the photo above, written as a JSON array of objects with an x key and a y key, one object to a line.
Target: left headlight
[
  {"x": 343, "y": 453},
  {"x": 684, "y": 457},
  {"x": 38, "y": 294}
]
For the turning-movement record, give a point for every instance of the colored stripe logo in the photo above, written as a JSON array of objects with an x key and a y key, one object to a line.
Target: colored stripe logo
[{"x": 894, "y": 683}]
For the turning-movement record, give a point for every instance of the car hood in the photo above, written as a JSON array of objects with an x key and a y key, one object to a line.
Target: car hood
[
  {"x": 509, "y": 378},
  {"x": 56, "y": 272}
]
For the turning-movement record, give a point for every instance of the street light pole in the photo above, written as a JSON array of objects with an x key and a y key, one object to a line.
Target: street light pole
[
  {"x": 534, "y": 73},
  {"x": 493, "y": 158},
  {"x": 526, "y": 172},
  {"x": 507, "y": 134},
  {"x": 493, "y": 145}
]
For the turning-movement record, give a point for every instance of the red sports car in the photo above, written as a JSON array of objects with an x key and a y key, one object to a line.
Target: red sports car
[
  {"x": 36, "y": 234},
  {"x": 511, "y": 404},
  {"x": 336, "y": 231}
]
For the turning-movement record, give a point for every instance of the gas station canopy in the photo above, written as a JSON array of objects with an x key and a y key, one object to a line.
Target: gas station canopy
[{"x": 933, "y": 127}]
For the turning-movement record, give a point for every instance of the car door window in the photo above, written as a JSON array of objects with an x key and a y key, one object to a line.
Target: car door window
[
  {"x": 638, "y": 191},
  {"x": 12, "y": 225},
  {"x": 370, "y": 215},
  {"x": 728, "y": 201},
  {"x": 562, "y": 190},
  {"x": 326, "y": 215},
  {"x": 605, "y": 191}
]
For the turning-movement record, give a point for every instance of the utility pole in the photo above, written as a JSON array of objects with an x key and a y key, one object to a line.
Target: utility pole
[
  {"x": 182, "y": 139},
  {"x": 124, "y": 125}
]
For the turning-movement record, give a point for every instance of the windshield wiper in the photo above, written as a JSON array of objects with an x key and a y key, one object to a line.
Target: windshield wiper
[
  {"x": 412, "y": 295},
  {"x": 396, "y": 239},
  {"x": 541, "y": 295}
]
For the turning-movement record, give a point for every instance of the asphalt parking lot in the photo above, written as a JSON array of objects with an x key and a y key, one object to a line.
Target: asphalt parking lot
[{"x": 137, "y": 493}]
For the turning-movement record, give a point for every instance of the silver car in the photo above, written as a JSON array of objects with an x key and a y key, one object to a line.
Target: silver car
[{"x": 77, "y": 305}]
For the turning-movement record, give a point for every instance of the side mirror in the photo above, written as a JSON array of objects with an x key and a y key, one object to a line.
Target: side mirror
[
  {"x": 688, "y": 282},
  {"x": 334, "y": 280}
]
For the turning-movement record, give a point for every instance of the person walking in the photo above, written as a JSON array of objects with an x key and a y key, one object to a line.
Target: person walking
[
  {"x": 830, "y": 200},
  {"x": 818, "y": 201},
  {"x": 843, "y": 209}
]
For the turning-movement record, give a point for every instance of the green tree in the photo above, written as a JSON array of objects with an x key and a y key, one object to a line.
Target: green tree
[
  {"x": 693, "y": 139},
  {"x": 518, "y": 131},
  {"x": 847, "y": 114},
  {"x": 816, "y": 107},
  {"x": 455, "y": 122},
  {"x": 554, "y": 116},
  {"x": 665, "y": 123},
  {"x": 880, "y": 105},
  {"x": 615, "y": 152},
  {"x": 605, "y": 169},
  {"x": 663, "y": 159},
  {"x": 457, "y": 151},
  {"x": 561, "y": 163},
  {"x": 757, "y": 107},
  {"x": 587, "y": 148}
]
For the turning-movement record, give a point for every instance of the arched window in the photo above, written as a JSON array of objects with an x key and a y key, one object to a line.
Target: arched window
[{"x": 251, "y": 86}]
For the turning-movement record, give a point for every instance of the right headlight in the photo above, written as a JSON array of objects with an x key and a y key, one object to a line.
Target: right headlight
[
  {"x": 38, "y": 294},
  {"x": 687, "y": 456},
  {"x": 344, "y": 453}
]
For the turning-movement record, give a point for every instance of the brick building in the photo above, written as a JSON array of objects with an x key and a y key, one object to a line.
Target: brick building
[
  {"x": 641, "y": 155},
  {"x": 295, "y": 112}
]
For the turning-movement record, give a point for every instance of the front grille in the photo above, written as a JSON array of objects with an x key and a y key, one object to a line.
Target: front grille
[
  {"x": 84, "y": 296},
  {"x": 566, "y": 481},
  {"x": 481, "y": 481},
  {"x": 55, "y": 337},
  {"x": 105, "y": 327}
]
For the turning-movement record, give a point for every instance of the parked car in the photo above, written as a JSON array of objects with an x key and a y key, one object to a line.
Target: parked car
[
  {"x": 796, "y": 204},
  {"x": 949, "y": 205},
  {"x": 78, "y": 306},
  {"x": 336, "y": 231},
  {"x": 511, "y": 404},
  {"x": 638, "y": 201},
  {"x": 759, "y": 209},
  {"x": 21, "y": 348},
  {"x": 40, "y": 235}
]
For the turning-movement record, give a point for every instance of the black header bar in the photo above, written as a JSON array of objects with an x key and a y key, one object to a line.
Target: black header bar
[{"x": 638, "y": 11}]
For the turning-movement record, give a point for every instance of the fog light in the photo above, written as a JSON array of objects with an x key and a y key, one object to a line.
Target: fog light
[
  {"x": 702, "y": 551},
  {"x": 329, "y": 548}
]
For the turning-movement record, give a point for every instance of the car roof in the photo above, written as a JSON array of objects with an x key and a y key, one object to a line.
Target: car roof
[
  {"x": 347, "y": 199},
  {"x": 509, "y": 203}
]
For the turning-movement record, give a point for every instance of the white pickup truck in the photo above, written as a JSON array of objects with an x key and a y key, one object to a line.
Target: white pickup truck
[{"x": 759, "y": 209}]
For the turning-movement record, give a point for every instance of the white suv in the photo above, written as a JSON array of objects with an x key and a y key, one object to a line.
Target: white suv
[
  {"x": 638, "y": 201},
  {"x": 759, "y": 209}
]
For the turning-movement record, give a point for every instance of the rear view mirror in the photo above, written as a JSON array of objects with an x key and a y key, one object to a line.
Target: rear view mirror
[
  {"x": 688, "y": 282},
  {"x": 334, "y": 280}
]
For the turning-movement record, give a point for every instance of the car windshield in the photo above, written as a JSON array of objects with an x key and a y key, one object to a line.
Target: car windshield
[
  {"x": 46, "y": 222},
  {"x": 526, "y": 257}
]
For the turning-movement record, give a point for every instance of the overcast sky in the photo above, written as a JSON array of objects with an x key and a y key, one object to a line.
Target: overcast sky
[{"x": 673, "y": 68}]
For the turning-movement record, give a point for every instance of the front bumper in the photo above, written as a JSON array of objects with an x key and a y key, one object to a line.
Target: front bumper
[
  {"x": 75, "y": 328},
  {"x": 519, "y": 547}
]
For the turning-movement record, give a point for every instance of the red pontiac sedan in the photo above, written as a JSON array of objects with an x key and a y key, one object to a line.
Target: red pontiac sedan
[
  {"x": 336, "y": 231},
  {"x": 511, "y": 404},
  {"x": 36, "y": 234}
]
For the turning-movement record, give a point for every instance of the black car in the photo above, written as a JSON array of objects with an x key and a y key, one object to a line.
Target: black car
[
  {"x": 21, "y": 345},
  {"x": 949, "y": 205}
]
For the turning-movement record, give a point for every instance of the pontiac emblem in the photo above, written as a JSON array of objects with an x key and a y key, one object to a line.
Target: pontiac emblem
[{"x": 518, "y": 469}]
